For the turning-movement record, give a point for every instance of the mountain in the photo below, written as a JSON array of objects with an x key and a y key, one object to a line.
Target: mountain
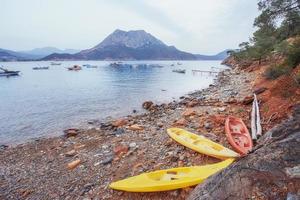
[
  {"x": 119, "y": 45},
  {"x": 131, "y": 45},
  {"x": 220, "y": 56},
  {"x": 45, "y": 51},
  {"x": 8, "y": 55},
  {"x": 38, "y": 53}
]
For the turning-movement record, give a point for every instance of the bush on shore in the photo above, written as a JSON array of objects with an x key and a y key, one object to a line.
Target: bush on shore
[
  {"x": 278, "y": 33},
  {"x": 276, "y": 71},
  {"x": 298, "y": 77}
]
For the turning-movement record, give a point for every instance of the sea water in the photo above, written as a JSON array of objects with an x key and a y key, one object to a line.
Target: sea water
[{"x": 42, "y": 103}]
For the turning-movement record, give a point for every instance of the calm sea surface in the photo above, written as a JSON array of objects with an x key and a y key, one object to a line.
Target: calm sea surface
[{"x": 41, "y": 103}]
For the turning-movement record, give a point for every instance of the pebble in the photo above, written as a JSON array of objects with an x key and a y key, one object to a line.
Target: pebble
[
  {"x": 175, "y": 193},
  {"x": 136, "y": 127},
  {"x": 132, "y": 145},
  {"x": 96, "y": 164},
  {"x": 207, "y": 125},
  {"x": 71, "y": 132},
  {"x": 120, "y": 122},
  {"x": 222, "y": 109},
  {"x": 181, "y": 122},
  {"x": 174, "y": 158},
  {"x": 3, "y": 147},
  {"x": 120, "y": 149},
  {"x": 73, "y": 164},
  {"x": 107, "y": 160},
  {"x": 181, "y": 157},
  {"x": 70, "y": 153},
  {"x": 118, "y": 131}
]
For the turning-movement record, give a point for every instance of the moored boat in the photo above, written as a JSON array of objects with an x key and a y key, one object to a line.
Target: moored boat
[
  {"x": 90, "y": 66},
  {"x": 74, "y": 68},
  {"x": 115, "y": 64},
  {"x": 40, "y": 68},
  {"x": 238, "y": 135},
  {"x": 54, "y": 63},
  {"x": 182, "y": 71},
  {"x": 7, "y": 73}
]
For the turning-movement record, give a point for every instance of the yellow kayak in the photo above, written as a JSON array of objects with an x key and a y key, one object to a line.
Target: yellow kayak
[
  {"x": 169, "y": 179},
  {"x": 201, "y": 144}
]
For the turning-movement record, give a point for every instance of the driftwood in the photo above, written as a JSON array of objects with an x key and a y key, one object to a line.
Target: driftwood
[
  {"x": 256, "y": 129},
  {"x": 258, "y": 124},
  {"x": 253, "y": 121},
  {"x": 270, "y": 119},
  {"x": 270, "y": 171}
]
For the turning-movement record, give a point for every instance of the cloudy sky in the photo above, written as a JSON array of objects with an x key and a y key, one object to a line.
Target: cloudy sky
[{"x": 197, "y": 26}]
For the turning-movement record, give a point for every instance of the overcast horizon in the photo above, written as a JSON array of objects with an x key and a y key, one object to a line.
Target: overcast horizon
[{"x": 205, "y": 27}]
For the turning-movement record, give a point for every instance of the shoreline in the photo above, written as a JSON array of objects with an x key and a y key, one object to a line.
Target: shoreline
[
  {"x": 120, "y": 148},
  {"x": 36, "y": 128},
  {"x": 89, "y": 123}
]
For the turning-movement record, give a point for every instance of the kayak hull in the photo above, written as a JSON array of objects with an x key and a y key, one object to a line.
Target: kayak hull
[
  {"x": 238, "y": 135},
  {"x": 169, "y": 179},
  {"x": 201, "y": 144}
]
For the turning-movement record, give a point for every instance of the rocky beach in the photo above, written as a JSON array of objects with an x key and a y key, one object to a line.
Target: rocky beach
[
  {"x": 196, "y": 100},
  {"x": 82, "y": 163}
]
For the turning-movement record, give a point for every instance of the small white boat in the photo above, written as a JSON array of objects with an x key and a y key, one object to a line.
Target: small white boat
[
  {"x": 54, "y": 63},
  {"x": 8, "y": 73},
  {"x": 40, "y": 68},
  {"x": 90, "y": 66},
  {"x": 74, "y": 68},
  {"x": 182, "y": 71}
]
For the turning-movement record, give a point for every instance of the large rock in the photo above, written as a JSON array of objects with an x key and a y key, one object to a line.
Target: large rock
[
  {"x": 189, "y": 112},
  {"x": 192, "y": 103},
  {"x": 71, "y": 132},
  {"x": 120, "y": 122},
  {"x": 181, "y": 122},
  {"x": 271, "y": 171},
  {"x": 260, "y": 90},
  {"x": 136, "y": 127},
  {"x": 147, "y": 105},
  {"x": 247, "y": 100}
]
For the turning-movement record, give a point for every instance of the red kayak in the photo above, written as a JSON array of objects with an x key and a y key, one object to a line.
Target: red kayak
[{"x": 238, "y": 135}]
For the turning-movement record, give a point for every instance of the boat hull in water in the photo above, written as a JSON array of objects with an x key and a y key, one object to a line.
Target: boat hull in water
[{"x": 15, "y": 73}]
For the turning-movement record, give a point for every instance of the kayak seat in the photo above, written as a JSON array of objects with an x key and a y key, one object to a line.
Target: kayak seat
[
  {"x": 241, "y": 139},
  {"x": 238, "y": 128},
  {"x": 207, "y": 145}
]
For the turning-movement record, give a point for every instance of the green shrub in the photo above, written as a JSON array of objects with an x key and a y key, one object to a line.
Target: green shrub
[
  {"x": 298, "y": 77},
  {"x": 276, "y": 71},
  {"x": 282, "y": 48},
  {"x": 293, "y": 56}
]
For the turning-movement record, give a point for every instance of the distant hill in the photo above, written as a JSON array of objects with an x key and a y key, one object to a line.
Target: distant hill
[
  {"x": 131, "y": 45},
  {"x": 45, "y": 51},
  {"x": 35, "y": 54},
  {"x": 220, "y": 56},
  {"x": 8, "y": 55}
]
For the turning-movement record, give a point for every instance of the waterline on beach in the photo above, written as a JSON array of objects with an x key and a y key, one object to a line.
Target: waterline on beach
[{"x": 43, "y": 103}]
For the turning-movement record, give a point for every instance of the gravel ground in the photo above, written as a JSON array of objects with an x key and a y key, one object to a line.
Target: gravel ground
[{"x": 117, "y": 149}]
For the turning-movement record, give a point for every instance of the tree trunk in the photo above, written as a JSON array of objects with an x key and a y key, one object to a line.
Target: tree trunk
[{"x": 270, "y": 171}]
